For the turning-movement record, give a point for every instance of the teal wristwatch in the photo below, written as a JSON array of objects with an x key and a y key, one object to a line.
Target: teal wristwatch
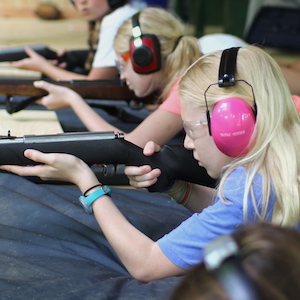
[{"x": 88, "y": 200}]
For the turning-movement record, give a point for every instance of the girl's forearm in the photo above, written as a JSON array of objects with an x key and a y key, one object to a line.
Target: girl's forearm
[
  {"x": 192, "y": 196},
  {"x": 57, "y": 73},
  {"x": 131, "y": 245},
  {"x": 89, "y": 117},
  {"x": 201, "y": 197}
]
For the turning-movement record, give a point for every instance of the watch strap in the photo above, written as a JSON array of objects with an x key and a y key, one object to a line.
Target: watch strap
[{"x": 88, "y": 200}]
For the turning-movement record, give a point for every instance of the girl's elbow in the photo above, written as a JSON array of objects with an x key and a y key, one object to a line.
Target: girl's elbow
[
  {"x": 145, "y": 275},
  {"x": 140, "y": 275}
]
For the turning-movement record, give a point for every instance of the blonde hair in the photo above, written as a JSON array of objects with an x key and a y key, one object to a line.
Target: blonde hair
[
  {"x": 177, "y": 53},
  {"x": 275, "y": 151}
]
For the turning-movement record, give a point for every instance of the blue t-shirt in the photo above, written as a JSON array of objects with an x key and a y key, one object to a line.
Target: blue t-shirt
[{"x": 184, "y": 245}]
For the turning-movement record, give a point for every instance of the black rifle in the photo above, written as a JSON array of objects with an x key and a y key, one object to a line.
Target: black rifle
[
  {"x": 73, "y": 58},
  {"x": 18, "y": 53},
  {"x": 174, "y": 161},
  {"x": 87, "y": 89}
]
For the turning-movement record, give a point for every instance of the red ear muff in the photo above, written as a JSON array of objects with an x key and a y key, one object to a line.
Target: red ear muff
[
  {"x": 146, "y": 58},
  {"x": 232, "y": 125},
  {"x": 144, "y": 50}
]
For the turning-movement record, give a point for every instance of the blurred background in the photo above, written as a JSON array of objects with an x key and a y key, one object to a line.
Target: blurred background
[{"x": 20, "y": 24}]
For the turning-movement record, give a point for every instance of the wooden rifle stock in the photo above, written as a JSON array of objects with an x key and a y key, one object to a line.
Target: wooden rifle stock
[{"x": 87, "y": 89}]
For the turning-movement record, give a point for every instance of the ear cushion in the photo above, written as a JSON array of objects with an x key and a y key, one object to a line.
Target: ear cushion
[
  {"x": 146, "y": 58},
  {"x": 232, "y": 125},
  {"x": 142, "y": 56}
]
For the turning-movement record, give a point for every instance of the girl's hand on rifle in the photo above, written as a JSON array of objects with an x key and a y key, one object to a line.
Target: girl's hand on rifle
[
  {"x": 62, "y": 65},
  {"x": 144, "y": 176},
  {"x": 56, "y": 166},
  {"x": 34, "y": 62},
  {"x": 58, "y": 96}
]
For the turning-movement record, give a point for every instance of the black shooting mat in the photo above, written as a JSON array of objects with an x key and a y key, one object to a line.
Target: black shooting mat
[{"x": 51, "y": 249}]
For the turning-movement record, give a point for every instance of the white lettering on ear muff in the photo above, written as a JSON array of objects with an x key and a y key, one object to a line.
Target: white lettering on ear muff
[{"x": 232, "y": 125}]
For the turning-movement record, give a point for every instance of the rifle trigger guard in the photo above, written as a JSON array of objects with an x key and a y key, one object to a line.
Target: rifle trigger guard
[{"x": 133, "y": 104}]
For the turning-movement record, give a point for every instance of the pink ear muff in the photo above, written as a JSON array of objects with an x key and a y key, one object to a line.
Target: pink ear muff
[{"x": 232, "y": 125}]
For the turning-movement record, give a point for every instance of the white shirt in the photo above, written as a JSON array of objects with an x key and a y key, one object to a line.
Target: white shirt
[
  {"x": 105, "y": 55},
  {"x": 219, "y": 41}
]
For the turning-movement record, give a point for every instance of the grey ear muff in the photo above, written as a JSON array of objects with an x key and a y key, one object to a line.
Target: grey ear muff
[{"x": 220, "y": 257}]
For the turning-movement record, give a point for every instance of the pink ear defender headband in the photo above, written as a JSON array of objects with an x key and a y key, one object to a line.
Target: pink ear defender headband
[{"x": 232, "y": 121}]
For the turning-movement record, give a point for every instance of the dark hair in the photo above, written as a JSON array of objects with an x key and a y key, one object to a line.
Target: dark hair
[
  {"x": 113, "y": 4},
  {"x": 269, "y": 254}
]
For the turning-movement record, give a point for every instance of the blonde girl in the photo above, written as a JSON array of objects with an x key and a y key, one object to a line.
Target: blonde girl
[
  {"x": 260, "y": 182},
  {"x": 275, "y": 145},
  {"x": 177, "y": 53}
]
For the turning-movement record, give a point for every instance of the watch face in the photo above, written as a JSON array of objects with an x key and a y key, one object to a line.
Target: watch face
[{"x": 85, "y": 205}]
